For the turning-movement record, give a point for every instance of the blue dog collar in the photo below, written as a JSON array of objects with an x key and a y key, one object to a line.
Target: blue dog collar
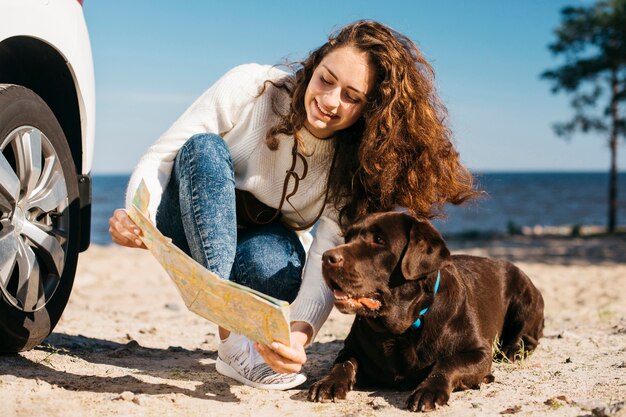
[{"x": 416, "y": 325}]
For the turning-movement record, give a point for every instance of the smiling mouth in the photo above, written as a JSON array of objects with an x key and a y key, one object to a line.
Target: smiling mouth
[
  {"x": 343, "y": 299},
  {"x": 331, "y": 115}
]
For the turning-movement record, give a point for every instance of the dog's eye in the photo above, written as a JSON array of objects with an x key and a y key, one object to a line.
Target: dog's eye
[{"x": 378, "y": 239}]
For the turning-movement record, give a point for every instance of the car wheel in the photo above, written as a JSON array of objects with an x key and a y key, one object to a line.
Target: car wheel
[{"x": 39, "y": 219}]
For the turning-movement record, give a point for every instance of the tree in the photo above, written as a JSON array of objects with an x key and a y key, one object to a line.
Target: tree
[{"x": 592, "y": 40}]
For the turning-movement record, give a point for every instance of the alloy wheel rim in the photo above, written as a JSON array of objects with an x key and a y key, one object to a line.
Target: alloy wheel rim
[{"x": 34, "y": 218}]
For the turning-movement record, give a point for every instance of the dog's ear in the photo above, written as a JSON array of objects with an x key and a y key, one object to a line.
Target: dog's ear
[{"x": 425, "y": 252}]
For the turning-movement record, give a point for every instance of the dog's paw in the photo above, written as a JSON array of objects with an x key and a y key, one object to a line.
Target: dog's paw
[
  {"x": 329, "y": 389},
  {"x": 427, "y": 398},
  {"x": 488, "y": 379}
]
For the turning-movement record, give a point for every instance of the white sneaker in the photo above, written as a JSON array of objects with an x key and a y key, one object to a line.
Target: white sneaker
[{"x": 237, "y": 359}]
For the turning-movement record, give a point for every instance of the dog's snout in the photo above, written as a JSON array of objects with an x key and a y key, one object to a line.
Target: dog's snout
[{"x": 332, "y": 258}]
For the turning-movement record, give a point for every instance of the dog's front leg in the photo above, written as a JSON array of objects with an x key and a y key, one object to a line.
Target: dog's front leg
[
  {"x": 467, "y": 369},
  {"x": 337, "y": 384}
]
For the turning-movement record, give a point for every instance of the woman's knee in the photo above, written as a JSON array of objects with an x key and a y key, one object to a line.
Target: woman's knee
[
  {"x": 206, "y": 147},
  {"x": 204, "y": 156}
]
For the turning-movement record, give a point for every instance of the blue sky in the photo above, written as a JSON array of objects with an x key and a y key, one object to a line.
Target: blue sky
[{"x": 154, "y": 57}]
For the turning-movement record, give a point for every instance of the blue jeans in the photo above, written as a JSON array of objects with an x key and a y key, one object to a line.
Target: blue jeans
[{"x": 198, "y": 212}]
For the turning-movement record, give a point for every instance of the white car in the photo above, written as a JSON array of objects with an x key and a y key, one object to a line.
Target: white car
[{"x": 47, "y": 116}]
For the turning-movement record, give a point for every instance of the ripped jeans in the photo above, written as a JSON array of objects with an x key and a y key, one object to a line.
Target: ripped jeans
[{"x": 198, "y": 212}]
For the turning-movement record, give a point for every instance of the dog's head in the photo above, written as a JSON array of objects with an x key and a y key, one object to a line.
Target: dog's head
[{"x": 377, "y": 272}]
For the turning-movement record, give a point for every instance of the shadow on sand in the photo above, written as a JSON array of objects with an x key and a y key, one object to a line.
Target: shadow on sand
[
  {"x": 181, "y": 364},
  {"x": 166, "y": 364}
]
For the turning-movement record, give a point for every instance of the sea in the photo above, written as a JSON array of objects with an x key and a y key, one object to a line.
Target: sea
[{"x": 512, "y": 201}]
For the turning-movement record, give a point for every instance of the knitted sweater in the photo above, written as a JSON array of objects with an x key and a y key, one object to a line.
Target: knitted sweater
[{"x": 233, "y": 109}]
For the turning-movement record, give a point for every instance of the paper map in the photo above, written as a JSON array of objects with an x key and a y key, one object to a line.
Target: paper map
[{"x": 233, "y": 306}]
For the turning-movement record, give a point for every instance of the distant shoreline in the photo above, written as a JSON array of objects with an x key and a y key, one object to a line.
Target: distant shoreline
[
  {"x": 541, "y": 231},
  {"x": 531, "y": 204}
]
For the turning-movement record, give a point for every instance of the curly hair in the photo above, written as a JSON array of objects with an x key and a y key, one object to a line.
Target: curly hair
[{"x": 405, "y": 155}]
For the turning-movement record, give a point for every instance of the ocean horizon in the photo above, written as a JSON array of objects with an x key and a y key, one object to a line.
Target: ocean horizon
[{"x": 513, "y": 200}]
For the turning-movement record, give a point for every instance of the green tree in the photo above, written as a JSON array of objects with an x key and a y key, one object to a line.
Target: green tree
[{"x": 592, "y": 41}]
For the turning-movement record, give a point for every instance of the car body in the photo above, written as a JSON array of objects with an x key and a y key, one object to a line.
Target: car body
[{"x": 47, "y": 128}]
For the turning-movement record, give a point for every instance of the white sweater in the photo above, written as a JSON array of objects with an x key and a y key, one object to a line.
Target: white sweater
[{"x": 233, "y": 109}]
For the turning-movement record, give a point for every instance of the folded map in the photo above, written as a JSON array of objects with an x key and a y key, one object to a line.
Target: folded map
[{"x": 233, "y": 306}]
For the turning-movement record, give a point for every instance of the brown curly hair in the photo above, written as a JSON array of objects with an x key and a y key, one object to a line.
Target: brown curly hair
[{"x": 405, "y": 153}]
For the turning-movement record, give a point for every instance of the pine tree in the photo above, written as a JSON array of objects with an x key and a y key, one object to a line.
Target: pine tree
[{"x": 592, "y": 41}]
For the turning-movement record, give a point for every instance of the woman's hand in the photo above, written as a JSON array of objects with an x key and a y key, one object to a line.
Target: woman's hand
[
  {"x": 124, "y": 231},
  {"x": 287, "y": 359}
]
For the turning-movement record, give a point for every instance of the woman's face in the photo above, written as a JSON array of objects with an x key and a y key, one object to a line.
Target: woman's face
[{"x": 337, "y": 92}]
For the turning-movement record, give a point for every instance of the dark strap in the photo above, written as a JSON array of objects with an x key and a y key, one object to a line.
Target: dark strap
[{"x": 256, "y": 213}]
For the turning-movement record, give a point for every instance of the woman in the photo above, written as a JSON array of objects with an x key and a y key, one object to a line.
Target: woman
[{"x": 356, "y": 129}]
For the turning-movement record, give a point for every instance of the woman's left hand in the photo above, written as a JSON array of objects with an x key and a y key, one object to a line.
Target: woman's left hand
[{"x": 287, "y": 359}]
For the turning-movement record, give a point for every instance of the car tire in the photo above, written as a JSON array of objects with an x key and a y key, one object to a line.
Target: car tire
[{"x": 39, "y": 219}]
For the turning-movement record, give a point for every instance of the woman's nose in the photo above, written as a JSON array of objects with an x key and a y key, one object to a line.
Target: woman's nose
[{"x": 332, "y": 98}]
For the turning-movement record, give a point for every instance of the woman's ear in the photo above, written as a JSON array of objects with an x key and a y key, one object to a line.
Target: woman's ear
[{"x": 425, "y": 251}]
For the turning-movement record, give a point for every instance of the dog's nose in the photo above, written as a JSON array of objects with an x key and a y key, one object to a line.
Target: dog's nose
[{"x": 332, "y": 258}]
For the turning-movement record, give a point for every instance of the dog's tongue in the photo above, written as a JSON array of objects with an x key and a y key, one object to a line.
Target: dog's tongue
[
  {"x": 370, "y": 303},
  {"x": 345, "y": 298}
]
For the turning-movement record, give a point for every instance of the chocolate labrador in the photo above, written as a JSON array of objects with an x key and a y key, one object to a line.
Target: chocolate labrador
[{"x": 425, "y": 320}]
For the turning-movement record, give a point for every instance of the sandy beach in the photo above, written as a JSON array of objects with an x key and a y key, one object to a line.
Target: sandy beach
[{"x": 126, "y": 345}]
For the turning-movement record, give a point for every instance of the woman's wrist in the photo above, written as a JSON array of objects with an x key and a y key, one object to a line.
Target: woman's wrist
[{"x": 301, "y": 333}]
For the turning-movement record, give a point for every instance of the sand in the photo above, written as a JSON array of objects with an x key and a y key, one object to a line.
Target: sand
[{"x": 126, "y": 345}]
